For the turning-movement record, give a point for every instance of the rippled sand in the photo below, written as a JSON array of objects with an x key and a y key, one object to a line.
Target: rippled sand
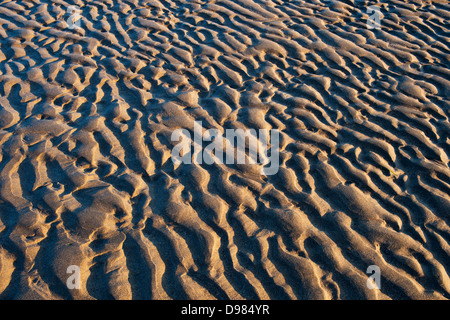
[{"x": 86, "y": 176}]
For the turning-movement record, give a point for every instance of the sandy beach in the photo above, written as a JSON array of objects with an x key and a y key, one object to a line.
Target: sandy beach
[{"x": 93, "y": 205}]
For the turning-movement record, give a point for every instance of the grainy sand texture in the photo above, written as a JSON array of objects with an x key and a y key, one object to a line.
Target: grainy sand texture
[{"x": 92, "y": 205}]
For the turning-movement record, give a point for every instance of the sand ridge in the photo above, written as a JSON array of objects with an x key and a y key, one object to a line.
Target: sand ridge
[{"x": 86, "y": 176}]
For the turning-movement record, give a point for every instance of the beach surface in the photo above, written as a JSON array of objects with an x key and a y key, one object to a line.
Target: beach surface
[{"x": 92, "y": 205}]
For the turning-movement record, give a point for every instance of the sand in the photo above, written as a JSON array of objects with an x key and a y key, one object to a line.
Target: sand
[{"x": 87, "y": 179}]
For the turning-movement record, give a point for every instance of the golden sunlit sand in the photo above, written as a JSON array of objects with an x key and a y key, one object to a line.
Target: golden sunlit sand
[{"x": 89, "y": 99}]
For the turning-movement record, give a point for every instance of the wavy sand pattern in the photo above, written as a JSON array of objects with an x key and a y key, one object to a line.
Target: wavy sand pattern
[{"x": 86, "y": 176}]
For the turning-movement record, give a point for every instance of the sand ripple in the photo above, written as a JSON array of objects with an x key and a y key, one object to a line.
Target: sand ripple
[{"x": 86, "y": 176}]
